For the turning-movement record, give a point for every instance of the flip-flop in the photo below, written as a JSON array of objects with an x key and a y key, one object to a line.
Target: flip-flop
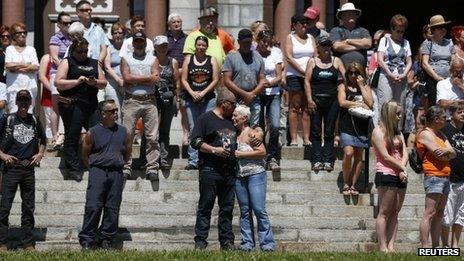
[
  {"x": 353, "y": 191},
  {"x": 293, "y": 145},
  {"x": 346, "y": 190}
]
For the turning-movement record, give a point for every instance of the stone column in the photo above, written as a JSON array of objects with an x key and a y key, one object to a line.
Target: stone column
[
  {"x": 12, "y": 11},
  {"x": 284, "y": 11},
  {"x": 322, "y": 4},
  {"x": 155, "y": 17}
]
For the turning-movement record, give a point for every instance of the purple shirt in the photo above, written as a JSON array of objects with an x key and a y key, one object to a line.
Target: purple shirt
[
  {"x": 176, "y": 46},
  {"x": 63, "y": 42}
]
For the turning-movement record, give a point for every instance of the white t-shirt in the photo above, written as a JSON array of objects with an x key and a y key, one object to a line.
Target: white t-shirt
[
  {"x": 17, "y": 81},
  {"x": 270, "y": 62},
  {"x": 447, "y": 91},
  {"x": 127, "y": 47},
  {"x": 383, "y": 47},
  {"x": 2, "y": 92}
]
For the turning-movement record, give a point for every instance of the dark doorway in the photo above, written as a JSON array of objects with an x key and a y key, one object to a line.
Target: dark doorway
[{"x": 376, "y": 15}]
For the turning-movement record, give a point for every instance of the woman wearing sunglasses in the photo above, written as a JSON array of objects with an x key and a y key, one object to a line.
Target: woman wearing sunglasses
[
  {"x": 394, "y": 57},
  {"x": 59, "y": 43},
  {"x": 78, "y": 80},
  {"x": 321, "y": 83},
  {"x": 354, "y": 130},
  {"x": 22, "y": 65}
]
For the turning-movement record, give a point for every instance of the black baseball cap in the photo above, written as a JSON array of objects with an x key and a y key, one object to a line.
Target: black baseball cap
[
  {"x": 245, "y": 34},
  {"x": 23, "y": 94},
  {"x": 139, "y": 36}
]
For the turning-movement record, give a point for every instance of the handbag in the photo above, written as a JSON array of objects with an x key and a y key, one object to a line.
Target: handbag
[{"x": 361, "y": 112}]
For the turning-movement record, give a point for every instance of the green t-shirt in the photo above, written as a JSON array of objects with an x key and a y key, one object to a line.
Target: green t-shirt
[{"x": 214, "y": 46}]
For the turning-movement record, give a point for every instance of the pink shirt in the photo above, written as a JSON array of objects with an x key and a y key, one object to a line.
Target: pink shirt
[{"x": 397, "y": 153}]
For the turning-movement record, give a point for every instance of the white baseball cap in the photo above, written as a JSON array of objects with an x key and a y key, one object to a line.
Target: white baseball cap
[{"x": 160, "y": 39}]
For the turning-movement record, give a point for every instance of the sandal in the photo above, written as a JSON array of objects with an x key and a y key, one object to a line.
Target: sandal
[
  {"x": 346, "y": 190},
  {"x": 353, "y": 191},
  {"x": 336, "y": 141},
  {"x": 293, "y": 144}
]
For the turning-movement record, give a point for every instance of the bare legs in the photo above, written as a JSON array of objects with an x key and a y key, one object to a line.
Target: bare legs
[
  {"x": 352, "y": 165},
  {"x": 297, "y": 108},
  {"x": 431, "y": 220}
]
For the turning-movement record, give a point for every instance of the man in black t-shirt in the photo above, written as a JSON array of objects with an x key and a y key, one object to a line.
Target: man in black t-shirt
[
  {"x": 214, "y": 136},
  {"x": 22, "y": 148},
  {"x": 453, "y": 215}
]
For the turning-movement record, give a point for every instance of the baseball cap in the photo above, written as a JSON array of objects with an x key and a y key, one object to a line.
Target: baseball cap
[
  {"x": 312, "y": 13},
  {"x": 208, "y": 11},
  {"x": 160, "y": 39},
  {"x": 23, "y": 94},
  {"x": 139, "y": 36},
  {"x": 245, "y": 34}
]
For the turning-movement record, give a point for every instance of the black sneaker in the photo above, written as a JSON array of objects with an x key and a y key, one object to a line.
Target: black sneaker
[
  {"x": 86, "y": 246},
  {"x": 229, "y": 246},
  {"x": 191, "y": 167},
  {"x": 164, "y": 165},
  {"x": 200, "y": 245},
  {"x": 106, "y": 245}
]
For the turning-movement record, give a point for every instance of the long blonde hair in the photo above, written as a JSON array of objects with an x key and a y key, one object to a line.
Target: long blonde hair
[{"x": 389, "y": 121}]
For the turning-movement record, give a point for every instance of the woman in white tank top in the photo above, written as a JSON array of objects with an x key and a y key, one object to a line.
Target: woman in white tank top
[{"x": 299, "y": 48}]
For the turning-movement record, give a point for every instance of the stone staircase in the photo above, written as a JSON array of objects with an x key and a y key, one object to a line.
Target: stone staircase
[{"x": 306, "y": 209}]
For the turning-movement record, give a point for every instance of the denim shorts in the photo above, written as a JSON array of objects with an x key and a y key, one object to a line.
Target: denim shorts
[
  {"x": 433, "y": 184},
  {"x": 354, "y": 141},
  {"x": 386, "y": 180},
  {"x": 295, "y": 83}
]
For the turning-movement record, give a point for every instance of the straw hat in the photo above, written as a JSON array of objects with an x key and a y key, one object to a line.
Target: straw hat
[
  {"x": 437, "y": 20},
  {"x": 348, "y": 7}
]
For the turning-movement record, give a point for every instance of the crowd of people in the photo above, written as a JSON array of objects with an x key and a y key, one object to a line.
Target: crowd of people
[{"x": 339, "y": 87}]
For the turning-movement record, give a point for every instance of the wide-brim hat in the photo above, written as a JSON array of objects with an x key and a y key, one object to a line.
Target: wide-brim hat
[
  {"x": 207, "y": 12},
  {"x": 348, "y": 7},
  {"x": 437, "y": 20}
]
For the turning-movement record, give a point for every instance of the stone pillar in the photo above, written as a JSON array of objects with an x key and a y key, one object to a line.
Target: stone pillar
[
  {"x": 13, "y": 11},
  {"x": 284, "y": 11},
  {"x": 322, "y": 5},
  {"x": 155, "y": 17}
]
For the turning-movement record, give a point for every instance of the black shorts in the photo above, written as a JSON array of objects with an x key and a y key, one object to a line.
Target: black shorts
[
  {"x": 295, "y": 83},
  {"x": 385, "y": 180}
]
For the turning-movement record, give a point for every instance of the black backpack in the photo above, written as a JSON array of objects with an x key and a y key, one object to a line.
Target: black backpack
[{"x": 415, "y": 160}]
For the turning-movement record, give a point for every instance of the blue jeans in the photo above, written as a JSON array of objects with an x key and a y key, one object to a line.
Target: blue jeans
[
  {"x": 270, "y": 108},
  {"x": 193, "y": 111},
  {"x": 251, "y": 197}
]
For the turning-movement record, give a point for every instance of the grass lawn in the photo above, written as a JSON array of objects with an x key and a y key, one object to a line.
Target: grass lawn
[{"x": 205, "y": 255}]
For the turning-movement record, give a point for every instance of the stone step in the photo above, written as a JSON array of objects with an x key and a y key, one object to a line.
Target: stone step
[
  {"x": 182, "y": 221},
  {"x": 308, "y": 198},
  {"x": 70, "y": 234},
  {"x": 281, "y": 246},
  {"x": 414, "y": 186}
]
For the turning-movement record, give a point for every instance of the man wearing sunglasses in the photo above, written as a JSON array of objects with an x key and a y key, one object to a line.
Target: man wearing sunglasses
[
  {"x": 451, "y": 89},
  {"x": 22, "y": 147},
  {"x": 93, "y": 33},
  {"x": 106, "y": 148}
]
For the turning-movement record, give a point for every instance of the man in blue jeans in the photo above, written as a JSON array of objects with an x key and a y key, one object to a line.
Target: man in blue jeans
[{"x": 214, "y": 136}]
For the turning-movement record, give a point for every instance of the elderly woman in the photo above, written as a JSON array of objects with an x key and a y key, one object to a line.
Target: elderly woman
[
  {"x": 200, "y": 75},
  {"x": 436, "y": 152},
  {"x": 321, "y": 83},
  {"x": 168, "y": 88},
  {"x": 250, "y": 186},
  {"x": 78, "y": 80},
  {"x": 391, "y": 177},
  {"x": 114, "y": 89},
  {"x": 299, "y": 48},
  {"x": 176, "y": 40},
  {"x": 354, "y": 130},
  {"x": 394, "y": 59},
  {"x": 437, "y": 53},
  {"x": 22, "y": 65}
]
